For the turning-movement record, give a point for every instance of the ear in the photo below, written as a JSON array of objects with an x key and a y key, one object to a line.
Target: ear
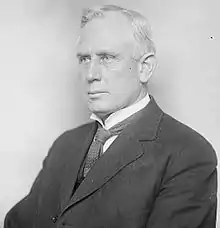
[{"x": 148, "y": 63}]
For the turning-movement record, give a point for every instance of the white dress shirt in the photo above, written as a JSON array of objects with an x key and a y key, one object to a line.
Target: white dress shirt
[{"x": 119, "y": 116}]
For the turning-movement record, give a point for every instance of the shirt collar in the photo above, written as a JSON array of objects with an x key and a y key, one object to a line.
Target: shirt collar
[{"x": 122, "y": 114}]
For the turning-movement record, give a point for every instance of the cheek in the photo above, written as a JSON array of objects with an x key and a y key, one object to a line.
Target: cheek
[
  {"x": 82, "y": 74},
  {"x": 122, "y": 91},
  {"x": 119, "y": 70},
  {"x": 121, "y": 79}
]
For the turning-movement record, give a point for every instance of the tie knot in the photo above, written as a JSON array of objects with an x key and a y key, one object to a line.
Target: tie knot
[{"x": 102, "y": 135}]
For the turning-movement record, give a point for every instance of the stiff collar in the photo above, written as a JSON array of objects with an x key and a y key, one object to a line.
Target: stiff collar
[{"x": 122, "y": 114}]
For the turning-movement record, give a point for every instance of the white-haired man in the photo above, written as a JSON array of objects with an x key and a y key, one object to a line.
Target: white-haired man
[{"x": 133, "y": 165}]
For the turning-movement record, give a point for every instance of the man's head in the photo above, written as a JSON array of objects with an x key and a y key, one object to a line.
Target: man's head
[{"x": 116, "y": 58}]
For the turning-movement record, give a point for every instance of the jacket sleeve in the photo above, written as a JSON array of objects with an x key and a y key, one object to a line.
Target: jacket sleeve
[
  {"x": 24, "y": 212},
  {"x": 187, "y": 197}
]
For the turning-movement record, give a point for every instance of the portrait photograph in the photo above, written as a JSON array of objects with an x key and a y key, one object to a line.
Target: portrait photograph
[{"x": 109, "y": 114}]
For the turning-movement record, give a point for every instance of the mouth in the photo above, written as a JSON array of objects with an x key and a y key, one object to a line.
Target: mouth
[{"x": 96, "y": 94}]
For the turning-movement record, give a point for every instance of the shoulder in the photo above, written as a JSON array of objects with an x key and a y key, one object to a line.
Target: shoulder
[
  {"x": 82, "y": 129},
  {"x": 72, "y": 138},
  {"x": 75, "y": 133},
  {"x": 183, "y": 142},
  {"x": 67, "y": 144}
]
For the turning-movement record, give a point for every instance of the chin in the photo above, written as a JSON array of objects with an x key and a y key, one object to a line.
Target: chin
[{"x": 99, "y": 110}]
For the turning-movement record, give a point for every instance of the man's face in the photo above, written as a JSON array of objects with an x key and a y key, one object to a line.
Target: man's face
[{"x": 110, "y": 73}]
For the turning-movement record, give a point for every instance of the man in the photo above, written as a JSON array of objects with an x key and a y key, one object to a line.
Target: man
[{"x": 133, "y": 166}]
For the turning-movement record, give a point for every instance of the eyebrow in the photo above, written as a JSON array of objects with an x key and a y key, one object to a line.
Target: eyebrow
[
  {"x": 107, "y": 52},
  {"x": 80, "y": 54}
]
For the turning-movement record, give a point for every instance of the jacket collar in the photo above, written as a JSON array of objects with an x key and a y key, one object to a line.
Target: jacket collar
[{"x": 146, "y": 126}]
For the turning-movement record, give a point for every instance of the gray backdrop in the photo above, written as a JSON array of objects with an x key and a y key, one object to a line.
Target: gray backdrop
[{"x": 40, "y": 93}]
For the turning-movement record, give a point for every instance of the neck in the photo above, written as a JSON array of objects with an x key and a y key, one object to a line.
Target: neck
[{"x": 140, "y": 96}]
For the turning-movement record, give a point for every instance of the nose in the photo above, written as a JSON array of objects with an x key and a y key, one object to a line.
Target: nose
[{"x": 94, "y": 71}]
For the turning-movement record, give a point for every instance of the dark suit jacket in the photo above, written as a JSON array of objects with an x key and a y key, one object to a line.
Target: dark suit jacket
[{"x": 158, "y": 173}]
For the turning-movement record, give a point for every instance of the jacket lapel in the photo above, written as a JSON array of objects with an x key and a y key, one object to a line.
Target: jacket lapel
[
  {"x": 74, "y": 160},
  {"x": 125, "y": 149}
]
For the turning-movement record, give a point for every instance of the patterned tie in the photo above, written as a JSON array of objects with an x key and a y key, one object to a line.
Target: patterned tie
[{"x": 96, "y": 148}]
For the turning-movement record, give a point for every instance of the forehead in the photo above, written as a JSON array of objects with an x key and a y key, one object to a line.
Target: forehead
[{"x": 113, "y": 31}]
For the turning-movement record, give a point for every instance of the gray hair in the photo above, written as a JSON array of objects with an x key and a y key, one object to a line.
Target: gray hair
[{"x": 140, "y": 25}]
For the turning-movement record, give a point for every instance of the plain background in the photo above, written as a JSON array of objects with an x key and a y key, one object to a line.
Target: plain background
[{"x": 40, "y": 93}]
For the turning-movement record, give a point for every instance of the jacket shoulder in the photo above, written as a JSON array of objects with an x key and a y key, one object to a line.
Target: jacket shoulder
[
  {"x": 72, "y": 138},
  {"x": 182, "y": 138},
  {"x": 75, "y": 133}
]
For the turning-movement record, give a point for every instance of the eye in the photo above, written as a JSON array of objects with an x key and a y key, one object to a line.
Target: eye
[
  {"x": 84, "y": 59},
  {"x": 106, "y": 58}
]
